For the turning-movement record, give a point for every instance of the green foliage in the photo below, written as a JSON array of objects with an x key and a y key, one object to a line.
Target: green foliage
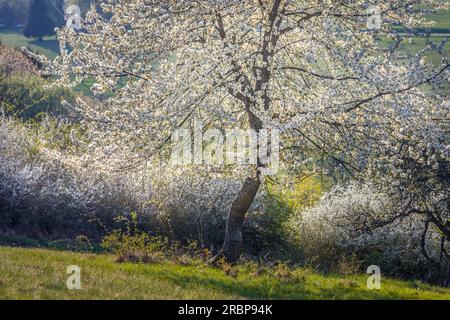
[
  {"x": 140, "y": 247},
  {"x": 137, "y": 246},
  {"x": 24, "y": 96},
  {"x": 270, "y": 229},
  {"x": 300, "y": 195},
  {"x": 14, "y": 12}
]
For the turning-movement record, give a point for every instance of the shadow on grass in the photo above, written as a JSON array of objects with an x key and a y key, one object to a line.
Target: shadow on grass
[
  {"x": 49, "y": 44},
  {"x": 21, "y": 242},
  {"x": 16, "y": 241},
  {"x": 272, "y": 288}
]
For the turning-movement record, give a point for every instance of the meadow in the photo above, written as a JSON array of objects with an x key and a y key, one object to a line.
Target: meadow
[
  {"x": 41, "y": 274},
  {"x": 48, "y": 46}
]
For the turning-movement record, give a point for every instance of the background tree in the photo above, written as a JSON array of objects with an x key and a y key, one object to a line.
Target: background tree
[
  {"x": 56, "y": 12},
  {"x": 40, "y": 23},
  {"x": 6, "y": 15},
  {"x": 13, "y": 13},
  {"x": 314, "y": 70}
]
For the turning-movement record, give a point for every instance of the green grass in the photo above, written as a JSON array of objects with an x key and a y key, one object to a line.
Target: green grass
[
  {"x": 41, "y": 274},
  {"x": 413, "y": 45},
  {"x": 49, "y": 46},
  {"x": 441, "y": 22}
]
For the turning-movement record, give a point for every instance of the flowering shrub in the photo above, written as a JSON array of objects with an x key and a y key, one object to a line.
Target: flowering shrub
[
  {"x": 13, "y": 61},
  {"x": 51, "y": 190},
  {"x": 346, "y": 223}
]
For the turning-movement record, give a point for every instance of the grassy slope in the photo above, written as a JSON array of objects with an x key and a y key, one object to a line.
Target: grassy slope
[
  {"x": 49, "y": 47},
  {"x": 13, "y": 38},
  {"x": 414, "y": 45},
  {"x": 441, "y": 21},
  {"x": 41, "y": 274}
]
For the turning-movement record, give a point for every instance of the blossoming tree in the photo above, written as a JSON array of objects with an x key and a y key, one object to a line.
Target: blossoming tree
[{"x": 318, "y": 71}]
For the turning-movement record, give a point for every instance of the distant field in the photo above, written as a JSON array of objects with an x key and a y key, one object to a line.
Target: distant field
[
  {"x": 50, "y": 47},
  {"x": 41, "y": 274},
  {"x": 13, "y": 38},
  {"x": 413, "y": 45},
  {"x": 442, "y": 22}
]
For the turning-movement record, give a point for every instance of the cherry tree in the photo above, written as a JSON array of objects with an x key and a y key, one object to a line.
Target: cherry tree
[{"x": 318, "y": 71}]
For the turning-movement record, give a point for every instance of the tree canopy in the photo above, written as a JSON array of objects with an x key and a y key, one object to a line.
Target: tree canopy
[{"x": 315, "y": 70}]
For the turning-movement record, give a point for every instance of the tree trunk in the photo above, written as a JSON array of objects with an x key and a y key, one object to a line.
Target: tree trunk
[
  {"x": 448, "y": 273},
  {"x": 232, "y": 246},
  {"x": 233, "y": 243}
]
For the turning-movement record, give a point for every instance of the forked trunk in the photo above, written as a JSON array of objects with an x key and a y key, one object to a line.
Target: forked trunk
[{"x": 232, "y": 246}]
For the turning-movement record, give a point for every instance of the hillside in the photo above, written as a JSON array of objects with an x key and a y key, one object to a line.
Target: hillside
[
  {"x": 215, "y": 150},
  {"x": 41, "y": 274},
  {"x": 13, "y": 38}
]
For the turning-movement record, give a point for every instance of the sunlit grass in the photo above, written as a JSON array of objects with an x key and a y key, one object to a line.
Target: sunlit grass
[
  {"x": 48, "y": 46},
  {"x": 41, "y": 274},
  {"x": 413, "y": 45}
]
